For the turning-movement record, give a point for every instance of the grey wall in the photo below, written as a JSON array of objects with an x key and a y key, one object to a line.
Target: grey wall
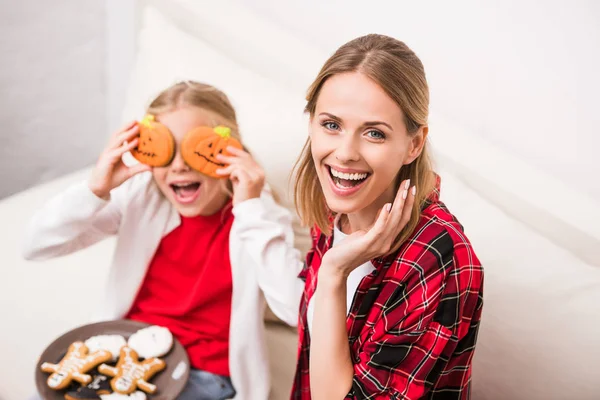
[{"x": 53, "y": 89}]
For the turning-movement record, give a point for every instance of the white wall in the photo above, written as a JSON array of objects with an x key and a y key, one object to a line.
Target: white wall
[
  {"x": 53, "y": 99},
  {"x": 522, "y": 74}
]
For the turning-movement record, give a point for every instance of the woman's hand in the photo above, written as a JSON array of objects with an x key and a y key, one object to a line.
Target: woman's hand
[
  {"x": 247, "y": 177},
  {"x": 110, "y": 170},
  {"x": 362, "y": 246}
]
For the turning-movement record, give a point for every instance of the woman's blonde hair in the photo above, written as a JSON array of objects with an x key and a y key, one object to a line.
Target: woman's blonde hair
[
  {"x": 400, "y": 73},
  {"x": 203, "y": 96}
]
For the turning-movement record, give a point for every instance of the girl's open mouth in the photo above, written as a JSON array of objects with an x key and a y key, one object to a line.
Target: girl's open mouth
[{"x": 186, "y": 192}]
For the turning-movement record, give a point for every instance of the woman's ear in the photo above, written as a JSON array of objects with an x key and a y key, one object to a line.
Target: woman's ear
[{"x": 417, "y": 141}]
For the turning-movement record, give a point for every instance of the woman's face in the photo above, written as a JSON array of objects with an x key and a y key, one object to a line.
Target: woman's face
[
  {"x": 190, "y": 192},
  {"x": 359, "y": 142}
]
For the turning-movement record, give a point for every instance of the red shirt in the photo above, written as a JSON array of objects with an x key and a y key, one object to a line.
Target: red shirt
[
  {"x": 188, "y": 289},
  {"x": 413, "y": 324}
]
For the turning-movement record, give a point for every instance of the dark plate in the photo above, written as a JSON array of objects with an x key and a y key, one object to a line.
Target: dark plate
[{"x": 168, "y": 384}]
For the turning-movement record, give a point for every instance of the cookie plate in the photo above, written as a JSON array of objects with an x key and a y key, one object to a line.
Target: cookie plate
[{"x": 170, "y": 382}]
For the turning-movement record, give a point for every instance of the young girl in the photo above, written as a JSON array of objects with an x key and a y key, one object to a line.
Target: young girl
[
  {"x": 194, "y": 253},
  {"x": 393, "y": 289}
]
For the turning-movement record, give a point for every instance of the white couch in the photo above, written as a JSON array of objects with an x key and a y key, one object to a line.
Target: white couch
[{"x": 539, "y": 242}]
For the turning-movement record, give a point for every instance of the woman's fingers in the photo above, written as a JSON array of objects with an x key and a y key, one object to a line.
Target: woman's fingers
[
  {"x": 380, "y": 223},
  {"x": 391, "y": 220},
  {"x": 408, "y": 206}
]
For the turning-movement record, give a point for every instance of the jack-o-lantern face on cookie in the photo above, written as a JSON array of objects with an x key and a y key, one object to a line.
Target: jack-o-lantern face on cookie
[
  {"x": 156, "y": 146},
  {"x": 200, "y": 147}
]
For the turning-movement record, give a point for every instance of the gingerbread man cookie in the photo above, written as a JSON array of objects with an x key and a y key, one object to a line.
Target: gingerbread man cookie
[
  {"x": 130, "y": 374},
  {"x": 74, "y": 365}
]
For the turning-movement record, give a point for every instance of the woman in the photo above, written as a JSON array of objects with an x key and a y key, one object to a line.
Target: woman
[{"x": 393, "y": 290}]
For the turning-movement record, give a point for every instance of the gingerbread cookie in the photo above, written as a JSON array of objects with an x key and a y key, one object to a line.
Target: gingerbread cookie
[
  {"x": 74, "y": 365},
  {"x": 153, "y": 341},
  {"x": 131, "y": 374},
  {"x": 112, "y": 343}
]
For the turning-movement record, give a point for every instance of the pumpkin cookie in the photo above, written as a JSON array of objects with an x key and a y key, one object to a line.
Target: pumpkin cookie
[
  {"x": 201, "y": 145},
  {"x": 156, "y": 146}
]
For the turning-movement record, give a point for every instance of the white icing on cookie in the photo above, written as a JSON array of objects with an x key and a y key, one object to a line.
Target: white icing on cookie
[
  {"x": 153, "y": 341},
  {"x": 138, "y": 395},
  {"x": 111, "y": 343}
]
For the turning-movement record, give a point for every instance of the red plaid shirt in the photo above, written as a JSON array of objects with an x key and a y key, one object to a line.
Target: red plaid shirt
[{"x": 413, "y": 324}]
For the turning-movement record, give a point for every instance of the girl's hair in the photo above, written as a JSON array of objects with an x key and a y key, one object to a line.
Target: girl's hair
[
  {"x": 203, "y": 96},
  {"x": 397, "y": 69}
]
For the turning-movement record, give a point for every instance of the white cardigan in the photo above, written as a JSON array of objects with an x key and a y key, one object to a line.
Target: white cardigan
[{"x": 264, "y": 262}]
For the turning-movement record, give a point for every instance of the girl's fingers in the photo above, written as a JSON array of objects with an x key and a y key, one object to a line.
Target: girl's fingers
[
  {"x": 237, "y": 152},
  {"x": 127, "y": 136},
  {"x": 124, "y": 128},
  {"x": 116, "y": 154},
  {"x": 138, "y": 168},
  {"x": 228, "y": 159},
  {"x": 128, "y": 146},
  {"x": 225, "y": 171},
  {"x": 239, "y": 176}
]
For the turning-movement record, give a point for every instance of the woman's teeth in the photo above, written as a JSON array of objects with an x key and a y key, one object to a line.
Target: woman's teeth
[
  {"x": 344, "y": 180},
  {"x": 352, "y": 177}
]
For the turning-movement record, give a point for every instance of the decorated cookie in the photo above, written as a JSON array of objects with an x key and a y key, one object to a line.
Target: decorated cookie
[
  {"x": 111, "y": 343},
  {"x": 156, "y": 145},
  {"x": 153, "y": 341},
  {"x": 118, "y": 396},
  {"x": 100, "y": 385},
  {"x": 201, "y": 145},
  {"x": 74, "y": 365},
  {"x": 131, "y": 374}
]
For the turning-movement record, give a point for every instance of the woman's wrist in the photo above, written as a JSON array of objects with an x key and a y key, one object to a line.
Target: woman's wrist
[{"x": 331, "y": 276}]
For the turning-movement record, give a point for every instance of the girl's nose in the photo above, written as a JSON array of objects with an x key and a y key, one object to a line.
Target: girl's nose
[{"x": 178, "y": 164}]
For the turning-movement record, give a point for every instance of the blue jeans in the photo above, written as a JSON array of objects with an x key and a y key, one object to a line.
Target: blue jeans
[
  {"x": 201, "y": 385},
  {"x": 204, "y": 385}
]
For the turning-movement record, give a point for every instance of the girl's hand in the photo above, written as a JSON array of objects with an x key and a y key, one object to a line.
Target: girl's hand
[
  {"x": 247, "y": 177},
  {"x": 362, "y": 246},
  {"x": 110, "y": 171}
]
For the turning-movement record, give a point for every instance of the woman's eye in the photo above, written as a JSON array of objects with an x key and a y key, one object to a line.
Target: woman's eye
[
  {"x": 332, "y": 126},
  {"x": 376, "y": 135}
]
